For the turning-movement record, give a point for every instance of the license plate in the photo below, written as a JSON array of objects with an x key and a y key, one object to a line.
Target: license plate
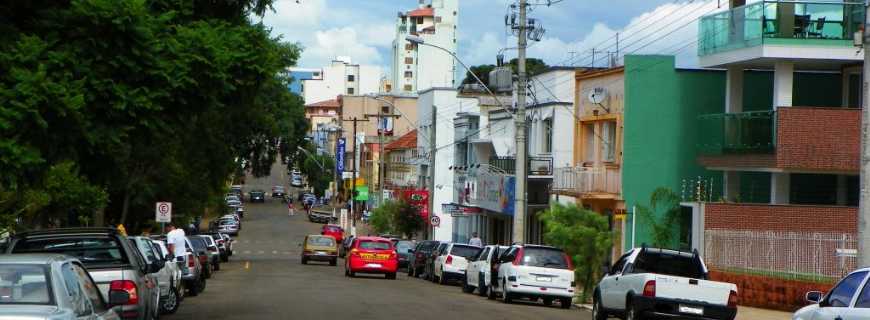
[
  {"x": 544, "y": 279},
  {"x": 321, "y": 253},
  {"x": 691, "y": 310},
  {"x": 373, "y": 256},
  {"x": 373, "y": 265}
]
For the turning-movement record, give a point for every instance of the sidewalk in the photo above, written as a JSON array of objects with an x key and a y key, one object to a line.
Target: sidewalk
[{"x": 743, "y": 313}]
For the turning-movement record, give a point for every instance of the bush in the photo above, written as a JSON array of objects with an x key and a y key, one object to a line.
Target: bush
[
  {"x": 396, "y": 217},
  {"x": 585, "y": 237}
]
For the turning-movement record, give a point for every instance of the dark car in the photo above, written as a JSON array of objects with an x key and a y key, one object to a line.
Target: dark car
[
  {"x": 257, "y": 196},
  {"x": 221, "y": 241},
  {"x": 417, "y": 261},
  {"x": 278, "y": 192},
  {"x": 200, "y": 250},
  {"x": 405, "y": 249}
]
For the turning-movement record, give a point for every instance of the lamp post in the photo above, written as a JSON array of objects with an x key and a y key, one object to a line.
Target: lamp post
[{"x": 312, "y": 157}]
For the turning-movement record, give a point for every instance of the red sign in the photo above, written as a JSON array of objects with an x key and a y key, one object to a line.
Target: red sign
[{"x": 419, "y": 199}]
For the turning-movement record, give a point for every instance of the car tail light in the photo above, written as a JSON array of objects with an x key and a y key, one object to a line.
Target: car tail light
[
  {"x": 568, "y": 261},
  {"x": 649, "y": 289},
  {"x": 449, "y": 260},
  {"x": 732, "y": 299},
  {"x": 519, "y": 258},
  {"x": 354, "y": 252},
  {"x": 127, "y": 286},
  {"x": 190, "y": 262}
]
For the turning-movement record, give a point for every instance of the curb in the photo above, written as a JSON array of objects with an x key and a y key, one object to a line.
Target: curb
[{"x": 583, "y": 306}]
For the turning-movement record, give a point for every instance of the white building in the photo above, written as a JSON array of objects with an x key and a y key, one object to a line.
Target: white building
[
  {"x": 448, "y": 105},
  {"x": 341, "y": 77},
  {"x": 420, "y": 67}
]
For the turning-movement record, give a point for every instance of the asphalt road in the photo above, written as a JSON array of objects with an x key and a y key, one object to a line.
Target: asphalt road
[{"x": 265, "y": 280}]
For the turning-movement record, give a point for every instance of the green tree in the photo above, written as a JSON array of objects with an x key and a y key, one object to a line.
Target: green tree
[
  {"x": 585, "y": 237},
  {"x": 407, "y": 219},
  {"x": 661, "y": 216},
  {"x": 534, "y": 66},
  {"x": 383, "y": 218},
  {"x": 481, "y": 71}
]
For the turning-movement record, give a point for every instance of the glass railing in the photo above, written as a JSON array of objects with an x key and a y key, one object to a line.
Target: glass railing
[
  {"x": 783, "y": 22},
  {"x": 751, "y": 132}
]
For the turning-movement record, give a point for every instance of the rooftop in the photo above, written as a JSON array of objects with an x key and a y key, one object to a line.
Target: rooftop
[
  {"x": 407, "y": 141},
  {"x": 422, "y": 12},
  {"x": 332, "y": 103}
]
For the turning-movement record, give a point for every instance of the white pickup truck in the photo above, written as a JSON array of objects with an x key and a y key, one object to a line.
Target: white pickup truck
[{"x": 648, "y": 282}]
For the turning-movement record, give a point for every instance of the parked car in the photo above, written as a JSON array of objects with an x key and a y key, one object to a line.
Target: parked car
[
  {"x": 168, "y": 278},
  {"x": 320, "y": 248},
  {"x": 257, "y": 196},
  {"x": 111, "y": 260},
  {"x": 333, "y": 231},
  {"x": 848, "y": 299},
  {"x": 477, "y": 276},
  {"x": 192, "y": 273},
  {"x": 214, "y": 253},
  {"x": 223, "y": 244},
  {"x": 200, "y": 251},
  {"x": 232, "y": 197},
  {"x": 228, "y": 226},
  {"x": 319, "y": 217},
  {"x": 296, "y": 180},
  {"x": 417, "y": 261},
  {"x": 53, "y": 286},
  {"x": 278, "y": 192},
  {"x": 345, "y": 246},
  {"x": 167, "y": 306},
  {"x": 430, "y": 260},
  {"x": 532, "y": 271},
  {"x": 237, "y": 189},
  {"x": 404, "y": 248},
  {"x": 648, "y": 281},
  {"x": 372, "y": 255},
  {"x": 237, "y": 210},
  {"x": 450, "y": 265}
]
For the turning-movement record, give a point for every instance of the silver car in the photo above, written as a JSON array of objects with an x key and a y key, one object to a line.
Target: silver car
[
  {"x": 168, "y": 278},
  {"x": 50, "y": 286},
  {"x": 228, "y": 226}
]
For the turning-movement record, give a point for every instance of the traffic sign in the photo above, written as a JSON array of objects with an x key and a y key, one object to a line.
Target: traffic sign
[
  {"x": 435, "y": 221},
  {"x": 163, "y": 212}
]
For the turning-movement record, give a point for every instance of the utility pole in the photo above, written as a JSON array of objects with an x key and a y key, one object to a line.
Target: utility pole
[
  {"x": 353, "y": 176},
  {"x": 864, "y": 202},
  {"x": 521, "y": 162},
  {"x": 432, "y": 150},
  {"x": 383, "y": 154}
]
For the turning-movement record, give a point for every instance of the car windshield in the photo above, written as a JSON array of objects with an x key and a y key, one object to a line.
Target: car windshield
[
  {"x": 545, "y": 258},
  {"x": 404, "y": 246},
  {"x": 374, "y": 245},
  {"x": 673, "y": 264},
  {"x": 93, "y": 252},
  {"x": 321, "y": 241},
  {"x": 464, "y": 251},
  {"x": 428, "y": 245},
  {"x": 198, "y": 244},
  {"x": 24, "y": 284},
  {"x": 331, "y": 229},
  {"x": 226, "y": 222},
  {"x": 145, "y": 248}
]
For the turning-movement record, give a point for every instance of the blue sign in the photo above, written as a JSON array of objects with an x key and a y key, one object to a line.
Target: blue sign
[{"x": 339, "y": 157}]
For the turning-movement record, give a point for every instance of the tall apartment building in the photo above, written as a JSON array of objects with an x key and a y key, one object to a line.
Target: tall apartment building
[
  {"x": 340, "y": 77},
  {"x": 419, "y": 67}
]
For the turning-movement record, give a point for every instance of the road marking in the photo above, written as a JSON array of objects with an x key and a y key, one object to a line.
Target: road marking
[
  {"x": 286, "y": 252},
  {"x": 274, "y": 252},
  {"x": 247, "y": 265},
  {"x": 247, "y": 252},
  {"x": 260, "y": 252}
]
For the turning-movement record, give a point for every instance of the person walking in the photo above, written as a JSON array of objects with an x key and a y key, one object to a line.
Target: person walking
[
  {"x": 475, "y": 240},
  {"x": 175, "y": 241},
  {"x": 290, "y": 207}
]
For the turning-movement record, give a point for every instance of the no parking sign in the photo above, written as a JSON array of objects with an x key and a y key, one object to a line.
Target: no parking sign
[{"x": 163, "y": 212}]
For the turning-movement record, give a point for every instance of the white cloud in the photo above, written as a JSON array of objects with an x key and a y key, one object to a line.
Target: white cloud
[
  {"x": 378, "y": 34},
  {"x": 481, "y": 51},
  {"x": 339, "y": 42},
  {"x": 290, "y": 15}
]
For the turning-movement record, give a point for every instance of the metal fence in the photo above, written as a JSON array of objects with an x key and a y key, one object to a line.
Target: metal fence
[{"x": 788, "y": 255}]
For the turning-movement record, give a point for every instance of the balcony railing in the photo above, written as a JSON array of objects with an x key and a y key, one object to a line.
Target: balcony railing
[
  {"x": 779, "y": 22},
  {"x": 584, "y": 181},
  {"x": 537, "y": 166},
  {"x": 751, "y": 132}
]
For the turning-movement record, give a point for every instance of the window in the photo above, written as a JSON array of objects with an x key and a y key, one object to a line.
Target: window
[
  {"x": 90, "y": 289},
  {"x": 349, "y": 90},
  {"x": 438, "y": 19},
  {"x": 619, "y": 265},
  {"x": 97, "y": 251},
  {"x": 375, "y": 245},
  {"x": 388, "y": 88},
  {"x": 409, "y": 60},
  {"x": 350, "y": 78},
  {"x": 409, "y": 74},
  {"x": 608, "y": 139},
  {"x": 408, "y": 87},
  {"x": 669, "y": 264},
  {"x": 545, "y": 258},
  {"x": 409, "y": 46},
  {"x": 419, "y": 20},
  {"x": 842, "y": 294},
  {"x": 16, "y": 277},
  {"x": 547, "y": 136},
  {"x": 483, "y": 254},
  {"x": 302, "y": 87},
  {"x": 76, "y": 297},
  {"x": 315, "y": 74},
  {"x": 464, "y": 251},
  {"x": 589, "y": 142}
]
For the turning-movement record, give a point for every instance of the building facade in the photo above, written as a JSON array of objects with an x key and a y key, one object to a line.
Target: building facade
[
  {"x": 419, "y": 67},
  {"x": 341, "y": 77}
]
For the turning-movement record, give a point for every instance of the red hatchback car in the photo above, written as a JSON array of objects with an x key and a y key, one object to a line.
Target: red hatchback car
[
  {"x": 372, "y": 255},
  {"x": 334, "y": 231}
]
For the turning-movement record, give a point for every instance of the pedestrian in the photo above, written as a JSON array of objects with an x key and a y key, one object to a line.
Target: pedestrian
[
  {"x": 290, "y": 207},
  {"x": 175, "y": 240},
  {"x": 475, "y": 240}
]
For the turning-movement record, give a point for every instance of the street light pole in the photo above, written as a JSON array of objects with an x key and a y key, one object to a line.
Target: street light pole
[
  {"x": 864, "y": 202},
  {"x": 521, "y": 165}
]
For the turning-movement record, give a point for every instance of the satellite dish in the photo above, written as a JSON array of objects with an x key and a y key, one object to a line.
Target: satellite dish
[{"x": 597, "y": 95}]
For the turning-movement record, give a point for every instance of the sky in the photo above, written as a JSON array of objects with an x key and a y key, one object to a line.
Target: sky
[{"x": 364, "y": 29}]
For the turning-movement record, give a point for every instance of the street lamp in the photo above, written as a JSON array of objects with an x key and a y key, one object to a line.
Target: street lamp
[
  {"x": 417, "y": 40},
  {"x": 312, "y": 157}
]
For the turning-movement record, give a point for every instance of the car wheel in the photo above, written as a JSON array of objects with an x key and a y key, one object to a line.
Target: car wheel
[
  {"x": 465, "y": 287},
  {"x": 565, "y": 303},
  {"x": 193, "y": 291},
  {"x": 390, "y": 276},
  {"x": 481, "y": 287},
  {"x": 630, "y": 313},
  {"x": 505, "y": 295},
  {"x": 352, "y": 274},
  {"x": 548, "y": 301},
  {"x": 597, "y": 309},
  {"x": 172, "y": 301}
]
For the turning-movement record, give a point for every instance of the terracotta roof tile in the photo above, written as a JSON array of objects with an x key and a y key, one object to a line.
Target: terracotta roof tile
[
  {"x": 407, "y": 141},
  {"x": 333, "y": 103},
  {"x": 422, "y": 12}
]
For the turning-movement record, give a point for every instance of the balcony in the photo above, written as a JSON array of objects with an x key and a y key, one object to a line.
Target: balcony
[
  {"x": 791, "y": 138},
  {"x": 602, "y": 182},
  {"x": 538, "y": 166},
  {"x": 817, "y": 26}
]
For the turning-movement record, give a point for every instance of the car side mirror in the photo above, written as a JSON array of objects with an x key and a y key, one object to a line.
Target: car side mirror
[
  {"x": 814, "y": 296},
  {"x": 118, "y": 297}
]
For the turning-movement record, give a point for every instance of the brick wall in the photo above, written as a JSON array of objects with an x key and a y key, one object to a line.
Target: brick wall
[
  {"x": 791, "y": 218},
  {"x": 826, "y": 139},
  {"x": 770, "y": 293}
]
